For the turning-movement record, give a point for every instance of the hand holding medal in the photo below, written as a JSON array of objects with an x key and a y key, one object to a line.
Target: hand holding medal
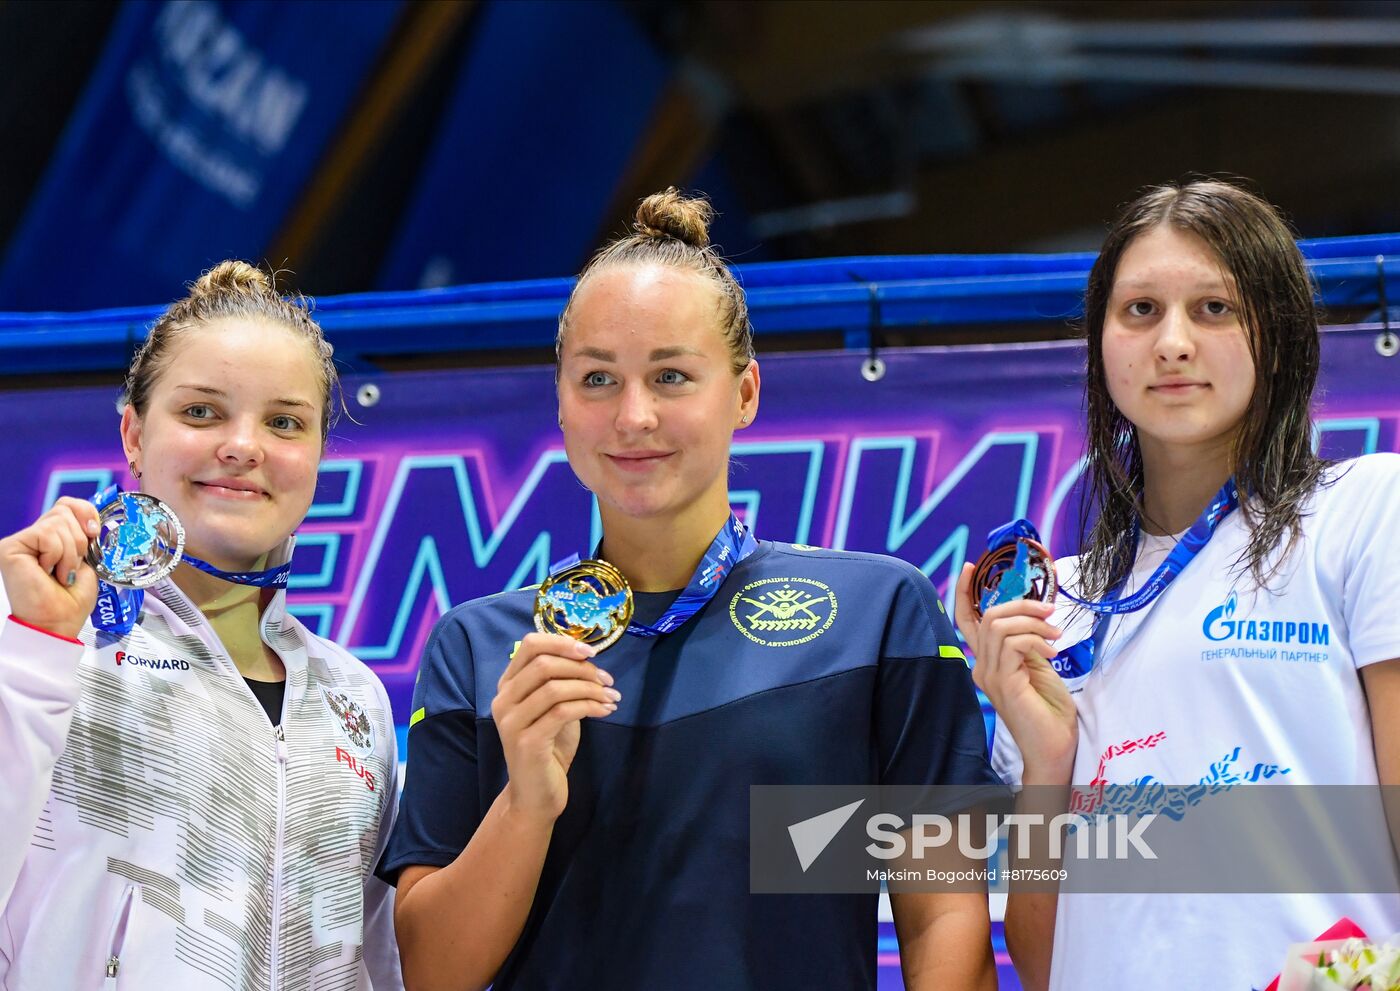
[
  {"x": 551, "y": 683},
  {"x": 1004, "y": 605},
  {"x": 138, "y": 543},
  {"x": 1003, "y": 608},
  {"x": 129, "y": 541}
]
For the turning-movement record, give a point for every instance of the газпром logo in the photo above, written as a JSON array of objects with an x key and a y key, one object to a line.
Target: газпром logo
[{"x": 1220, "y": 624}]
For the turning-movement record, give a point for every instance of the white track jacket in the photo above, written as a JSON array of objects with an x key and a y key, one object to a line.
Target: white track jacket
[{"x": 157, "y": 833}]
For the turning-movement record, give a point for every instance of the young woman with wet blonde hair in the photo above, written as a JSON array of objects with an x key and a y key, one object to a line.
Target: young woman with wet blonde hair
[
  {"x": 581, "y": 820},
  {"x": 199, "y": 786}
]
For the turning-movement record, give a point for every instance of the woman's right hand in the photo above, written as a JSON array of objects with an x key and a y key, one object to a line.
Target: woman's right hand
[
  {"x": 547, "y": 689},
  {"x": 1013, "y": 644},
  {"x": 47, "y": 580}
]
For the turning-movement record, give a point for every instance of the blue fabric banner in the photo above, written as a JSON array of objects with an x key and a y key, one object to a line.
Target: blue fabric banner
[
  {"x": 197, "y": 131},
  {"x": 455, "y": 484},
  {"x": 550, "y": 104}
]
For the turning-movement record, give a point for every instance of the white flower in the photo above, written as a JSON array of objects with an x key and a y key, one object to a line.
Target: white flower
[{"x": 1358, "y": 963}]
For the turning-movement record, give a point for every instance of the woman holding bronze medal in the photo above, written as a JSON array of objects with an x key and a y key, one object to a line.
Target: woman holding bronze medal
[
  {"x": 579, "y": 819},
  {"x": 1230, "y": 620},
  {"x": 197, "y": 786}
]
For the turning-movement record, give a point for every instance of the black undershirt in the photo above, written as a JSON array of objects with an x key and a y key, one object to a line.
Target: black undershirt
[
  {"x": 649, "y": 607},
  {"x": 270, "y": 694}
]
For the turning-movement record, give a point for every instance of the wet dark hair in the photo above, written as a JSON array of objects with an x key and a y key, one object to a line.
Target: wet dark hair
[
  {"x": 674, "y": 230},
  {"x": 238, "y": 290},
  {"x": 1272, "y": 460}
]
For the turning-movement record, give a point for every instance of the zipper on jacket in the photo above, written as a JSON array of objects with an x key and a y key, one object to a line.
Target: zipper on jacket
[
  {"x": 277, "y": 850},
  {"x": 116, "y": 936},
  {"x": 281, "y": 751}
]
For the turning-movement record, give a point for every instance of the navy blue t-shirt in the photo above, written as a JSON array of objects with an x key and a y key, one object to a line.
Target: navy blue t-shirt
[{"x": 808, "y": 667}]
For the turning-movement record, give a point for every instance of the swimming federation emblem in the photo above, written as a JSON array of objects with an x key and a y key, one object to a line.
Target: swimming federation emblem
[
  {"x": 783, "y": 612},
  {"x": 353, "y": 721}
]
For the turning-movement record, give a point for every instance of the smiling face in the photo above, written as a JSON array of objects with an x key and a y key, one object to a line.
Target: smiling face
[
  {"x": 1175, "y": 350},
  {"x": 231, "y": 437},
  {"x": 648, "y": 399}
]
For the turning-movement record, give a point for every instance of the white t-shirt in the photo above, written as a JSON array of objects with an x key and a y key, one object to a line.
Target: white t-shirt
[{"x": 1217, "y": 677}]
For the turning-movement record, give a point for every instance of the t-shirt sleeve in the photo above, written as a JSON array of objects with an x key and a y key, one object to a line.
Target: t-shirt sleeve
[
  {"x": 1367, "y": 510},
  {"x": 928, "y": 721},
  {"x": 440, "y": 807},
  {"x": 1006, "y": 756}
]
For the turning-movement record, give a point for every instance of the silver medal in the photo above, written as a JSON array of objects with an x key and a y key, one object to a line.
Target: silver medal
[{"x": 140, "y": 541}]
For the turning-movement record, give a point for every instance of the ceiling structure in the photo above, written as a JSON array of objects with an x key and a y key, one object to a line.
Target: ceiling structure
[
  {"x": 872, "y": 127},
  {"x": 930, "y": 127}
]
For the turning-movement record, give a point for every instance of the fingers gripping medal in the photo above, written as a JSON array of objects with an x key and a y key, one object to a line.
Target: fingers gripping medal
[
  {"x": 589, "y": 601},
  {"x": 139, "y": 541},
  {"x": 1016, "y": 567}
]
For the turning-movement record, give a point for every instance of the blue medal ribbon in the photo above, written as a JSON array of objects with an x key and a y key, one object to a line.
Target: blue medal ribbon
[
  {"x": 1078, "y": 659},
  {"x": 271, "y": 578},
  {"x": 732, "y": 544},
  {"x": 117, "y": 608}
]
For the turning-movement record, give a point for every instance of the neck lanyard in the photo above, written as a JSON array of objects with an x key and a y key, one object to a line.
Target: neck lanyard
[
  {"x": 1078, "y": 659},
  {"x": 732, "y": 544},
  {"x": 117, "y": 608}
]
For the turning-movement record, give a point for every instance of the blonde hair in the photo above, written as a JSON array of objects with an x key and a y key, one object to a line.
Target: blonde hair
[
  {"x": 238, "y": 290},
  {"x": 673, "y": 230}
]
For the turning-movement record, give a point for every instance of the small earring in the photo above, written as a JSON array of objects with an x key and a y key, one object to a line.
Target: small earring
[
  {"x": 134, "y": 472},
  {"x": 744, "y": 419}
]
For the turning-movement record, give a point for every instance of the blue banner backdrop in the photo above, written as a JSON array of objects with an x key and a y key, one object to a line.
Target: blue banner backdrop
[
  {"x": 454, "y": 485},
  {"x": 197, "y": 131},
  {"x": 549, "y": 105}
]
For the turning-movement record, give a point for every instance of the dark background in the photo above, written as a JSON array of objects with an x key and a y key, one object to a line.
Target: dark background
[{"x": 820, "y": 128}]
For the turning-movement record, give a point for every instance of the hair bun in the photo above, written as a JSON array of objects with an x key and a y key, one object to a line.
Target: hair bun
[
  {"x": 672, "y": 214},
  {"x": 233, "y": 276}
]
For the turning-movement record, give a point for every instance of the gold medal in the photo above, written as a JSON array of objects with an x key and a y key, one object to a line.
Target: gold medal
[{"x": 589, "y": 601}]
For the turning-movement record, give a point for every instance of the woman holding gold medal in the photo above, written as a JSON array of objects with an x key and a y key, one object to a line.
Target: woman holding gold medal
[
  {"x": 577, "y": 819},
  {"x": 196, "y": 785},
  {"x": 1231, "y": 618}
]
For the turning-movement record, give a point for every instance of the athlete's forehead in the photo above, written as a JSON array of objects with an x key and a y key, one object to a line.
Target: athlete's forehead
[{"x": 643, "y": 312}]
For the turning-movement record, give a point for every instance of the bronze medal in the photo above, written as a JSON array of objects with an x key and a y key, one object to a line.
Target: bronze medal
[{"x": 1023, "y": 569}]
